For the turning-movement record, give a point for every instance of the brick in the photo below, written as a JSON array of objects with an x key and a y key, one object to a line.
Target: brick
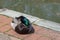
[
  {"x": 3, "y": 24},
  {"x": 36, "y": 28},
  {"x": 4, "y": 19},
  {"x": 13, "y": 33},
  {"x": 32, "y": 37},
  {"x": 1, "y": 16},
  {"x": 48, "y": 33},
  {"x": 44, "y": 38},
  {"x": 5, "y": 28},
  {"x": 14, "y": 38},
  {"x": 57, "y": 38},
  {"x": 9, "y": 20}
]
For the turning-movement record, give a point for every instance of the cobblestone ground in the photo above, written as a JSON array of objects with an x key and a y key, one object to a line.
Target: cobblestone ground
[{"x": 40, "y": 33}]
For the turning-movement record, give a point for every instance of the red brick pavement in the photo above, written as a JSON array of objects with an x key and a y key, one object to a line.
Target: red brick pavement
[{"x": 40, "y": 33}]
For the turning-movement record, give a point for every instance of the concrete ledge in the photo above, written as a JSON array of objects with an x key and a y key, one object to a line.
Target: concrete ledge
[{"x": 48, "y": 24}]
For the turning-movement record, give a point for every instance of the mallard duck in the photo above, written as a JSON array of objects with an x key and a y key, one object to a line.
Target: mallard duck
[{"x": 23, "y": 25}]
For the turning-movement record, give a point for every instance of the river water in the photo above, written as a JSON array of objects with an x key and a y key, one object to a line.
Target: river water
[{"x": 46, "y": 9}]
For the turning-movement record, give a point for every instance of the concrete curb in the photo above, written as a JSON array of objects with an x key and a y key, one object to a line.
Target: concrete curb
[{"x": 41, "y": 22}]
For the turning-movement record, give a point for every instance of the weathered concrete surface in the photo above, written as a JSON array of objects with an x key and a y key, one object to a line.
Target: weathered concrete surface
[
  {"x": 40, "y": 33},
  {"x": 48, "y": 24},
  {"x": 6, "y": 37}
]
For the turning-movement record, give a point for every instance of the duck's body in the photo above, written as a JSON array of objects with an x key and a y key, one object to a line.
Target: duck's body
[
  {"x": 21, "y": 29},
  {"x": 23, "y": 26}
]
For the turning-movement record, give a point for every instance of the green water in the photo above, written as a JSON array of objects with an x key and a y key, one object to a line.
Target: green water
[{"x": 46, "y": 9}]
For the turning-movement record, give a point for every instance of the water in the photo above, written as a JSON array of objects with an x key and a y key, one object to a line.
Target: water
[{"x": 46, "y": 9}]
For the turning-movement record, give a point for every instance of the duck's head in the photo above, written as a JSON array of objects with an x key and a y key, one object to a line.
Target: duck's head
[
  {"x": 20, "y": 17},
  {"x": 24, "y": 20}
]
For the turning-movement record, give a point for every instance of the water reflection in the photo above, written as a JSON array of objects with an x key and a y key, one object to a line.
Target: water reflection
[{"x": 48, "y": 11}]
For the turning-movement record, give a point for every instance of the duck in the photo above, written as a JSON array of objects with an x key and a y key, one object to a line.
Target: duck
[{"x": 22, "y": 25}]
